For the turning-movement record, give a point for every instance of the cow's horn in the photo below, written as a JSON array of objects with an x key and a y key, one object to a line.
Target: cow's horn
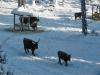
[{"x": 39, "y": 40}]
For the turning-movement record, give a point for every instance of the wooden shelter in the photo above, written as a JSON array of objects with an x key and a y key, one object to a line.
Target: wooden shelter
[
  {"x": 95, "y": 10},
  {"x": 21, "y": 14}
]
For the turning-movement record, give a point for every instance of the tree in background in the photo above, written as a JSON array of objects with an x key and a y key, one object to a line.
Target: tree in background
[
  {"x": 21, "y": 2},
  {"x": 84, "y": 22}
]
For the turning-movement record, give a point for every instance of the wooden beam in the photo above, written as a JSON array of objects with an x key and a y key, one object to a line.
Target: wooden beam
[
  {"x": 29, "y": 23},
  {"x": 99, "y": 11},
  {"x": 21, "y": 26},
  {"x": 92, "y": 11},
  {"x": 14, "y": 22}
]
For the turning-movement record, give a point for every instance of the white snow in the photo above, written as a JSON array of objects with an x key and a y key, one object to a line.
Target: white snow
[{"x": 62, "y": 33}]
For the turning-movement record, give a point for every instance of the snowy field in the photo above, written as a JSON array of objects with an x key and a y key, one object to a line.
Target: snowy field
[{"x": 62, "y": 33}]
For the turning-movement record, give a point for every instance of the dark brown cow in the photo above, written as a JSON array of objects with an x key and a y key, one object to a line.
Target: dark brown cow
[
  {"x": 30, "y": 44},
  {"x": 78, "y": 15},
  {"x": 23, "y": 19},
  {"x": 33, "y": 21},
  {"x": 64, "y": 56}
]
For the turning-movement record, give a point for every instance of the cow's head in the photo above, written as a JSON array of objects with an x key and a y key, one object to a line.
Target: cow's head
[
  {"x": 36, "y": 44},
  {"x": 37, "y": 19},
  {"x": 69, "y": 57}
]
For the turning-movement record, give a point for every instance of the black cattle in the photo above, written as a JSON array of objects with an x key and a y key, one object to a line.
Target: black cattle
[
  {"x": 63, "y": 56},
  {"x": 33, "y": 21},
  {"x": 78, "y": 15},
  {"x": 30, "y": 44},
  {"x": 23, "y": 19}
]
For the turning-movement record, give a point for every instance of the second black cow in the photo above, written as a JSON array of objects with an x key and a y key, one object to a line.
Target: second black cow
[
  {"x": 78, "y": 15},
  {"x": 64, "y": 56},
  {"x": 30, "y": 44}
]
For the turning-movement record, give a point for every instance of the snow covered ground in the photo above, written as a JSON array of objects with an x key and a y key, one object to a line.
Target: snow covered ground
[{"x": 62, "y": 33}]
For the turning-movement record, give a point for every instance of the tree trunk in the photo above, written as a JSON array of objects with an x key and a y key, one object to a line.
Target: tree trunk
[
  {"x": 84, "y": 22},
  {"x": 21, "y": 2},
  {"x": 18, "y": 3}
]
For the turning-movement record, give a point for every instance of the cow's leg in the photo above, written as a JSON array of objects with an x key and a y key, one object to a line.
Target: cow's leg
[
  {"x": 36, "y": 26},
  {"x": 66, "y": 64},
  {"x": 59, "y": 61},
  {"x": 80, "y": 17},
  {"x": 75, "y": 17},
  {"x": 25, "y": 50},
  {"x": 33, "y": 53}
]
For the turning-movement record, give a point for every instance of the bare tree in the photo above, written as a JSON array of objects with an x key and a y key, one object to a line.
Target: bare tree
[
  {"x": 21, "y": 2},
  {"x": 84, "y": 22}
]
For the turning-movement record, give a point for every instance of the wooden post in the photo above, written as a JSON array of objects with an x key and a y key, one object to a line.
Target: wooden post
[
  {"x": 99, "y": 11},
  {"x": 14, "y": 22},
  {"x": 21, "y": 25},
  {"x": 29, "y": 23},
  {"x": 97, "y": 8},
  {"x": 92, "y": 11}
]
